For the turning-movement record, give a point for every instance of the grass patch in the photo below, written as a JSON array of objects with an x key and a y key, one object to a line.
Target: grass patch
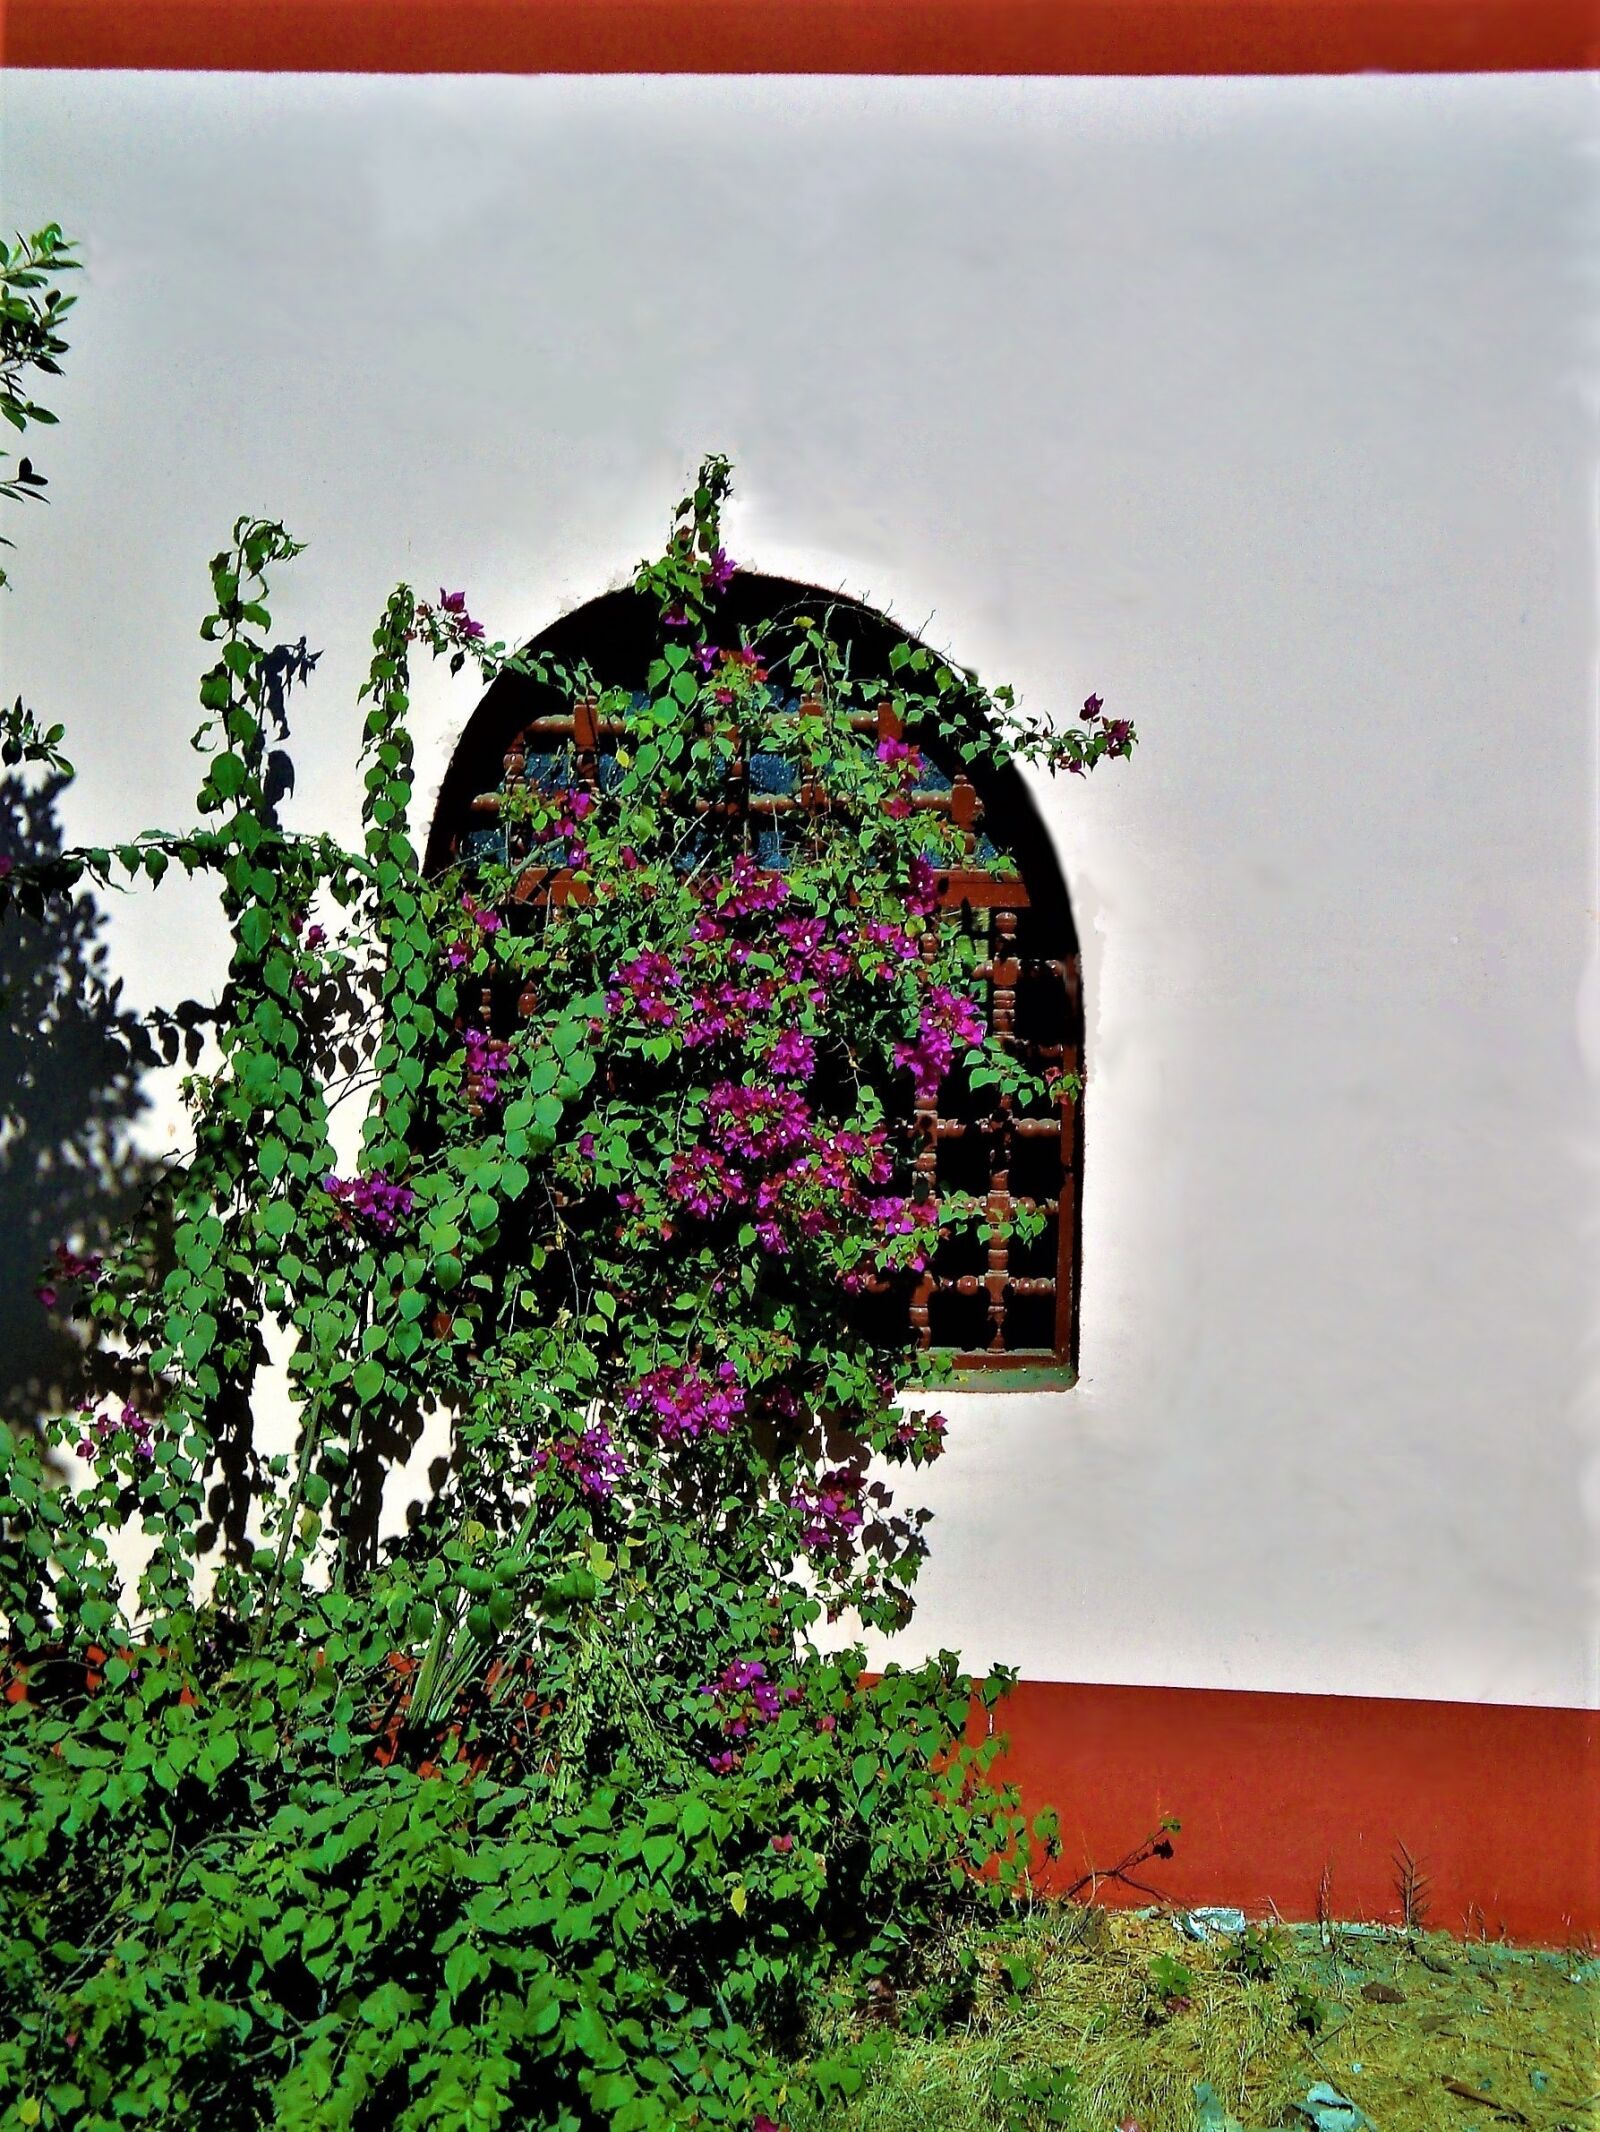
[{"x": 1086, "y": 2018}]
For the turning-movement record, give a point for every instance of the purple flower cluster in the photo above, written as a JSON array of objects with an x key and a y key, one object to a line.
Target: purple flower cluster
[
  {"x": 745, "y": 1696},
  {"x": 1118, "y": 731},
  {"x": 881, "y": 946},
  {"x": 486, "y": 1058},
  {"x": 906, "y": 759},
  {"x": 823, "y": 1177},
  {"x": 813, "y": 959},
  {"x": 590, "y": 1460},
  {"x": 1118, "y": 734},
  {"x": 947, "y": 1019},
  {"x": 758, "y": 1123},
  {"x": 831, "y": 1510},
  {"x": 720, "y": 570},
  {"x": 922, "y": 1436},
  {"x": 763, "y": 1150},
  {"x": 683, "y": 1403},
  {"x": 453, "y": 605},
  {"x": 577, "y": 803},
  {"x": 718, "y": 1001},
  {"x": 715, "y": 1011},
  {"x": 100, "y": 1429},
  {"x": 894, "y": 1214},
  {"x": 642, "y": 984},
  {"x": 794, "y": 1056},
  {"x": 67, "y": 1265},
  {"x": 733, "y": 670},
  {"x": 749, "y": 888},
  {"x": 922, "y": 888},
  {"x": 481, "y": 924},
  {"x": 722, "y": 1007},
  {"x": 372, "y": 1197},
  {"x": 700, "y": 1181}
]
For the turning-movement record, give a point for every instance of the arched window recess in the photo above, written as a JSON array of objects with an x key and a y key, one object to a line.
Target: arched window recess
[{"x": 1003, "y": 1303}]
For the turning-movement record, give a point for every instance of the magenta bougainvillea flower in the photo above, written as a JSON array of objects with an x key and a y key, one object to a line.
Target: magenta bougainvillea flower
[
  {"x": 703, "y": 1182},
  {"x": 830, "y": 1511},
  {"x": 70, "y": 1267},
  {"x": 749, "y": 888},
  {"x": 922, "y": 888},
  {"x": 745, "y": 1696},
  {"x": 101, "y": 1430},
  {"x": 643, "y": 985},
  {"x": 681, "y": 1402},
  {"x": 793, "y": 1055},
  {"x": 922, "y": 1435},
  {"x": 454, "y": 604},
  {"x": 373, "y": 1197},
  {"x": 590, "y": 1459},
  {"x": 757, "y": 1122},
  {"x": 485, "y": 1062},
  {"x": 947, "y": 1019},
  {"x": 482, "y": 924}
]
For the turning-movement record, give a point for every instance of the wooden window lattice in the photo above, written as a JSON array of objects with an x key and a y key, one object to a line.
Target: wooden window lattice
[{"x": 992, "y": 1304}]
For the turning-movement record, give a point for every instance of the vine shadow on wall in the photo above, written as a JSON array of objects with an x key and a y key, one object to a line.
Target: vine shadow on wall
[{"x": 71, "y": 1060}]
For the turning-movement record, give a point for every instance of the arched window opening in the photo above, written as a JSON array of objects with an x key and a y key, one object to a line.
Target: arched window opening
[{"x": 992, "y": 1299}]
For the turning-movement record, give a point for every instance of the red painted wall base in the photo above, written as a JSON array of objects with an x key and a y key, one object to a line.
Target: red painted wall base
[{"x": 1500, "y": 1805}]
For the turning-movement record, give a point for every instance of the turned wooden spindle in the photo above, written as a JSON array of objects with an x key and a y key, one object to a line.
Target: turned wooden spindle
[
  {"x": 1003, "y": 968},
  {"x": 586, "y": 742}
]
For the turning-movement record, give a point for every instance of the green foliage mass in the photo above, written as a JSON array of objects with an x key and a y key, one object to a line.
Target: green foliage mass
[
  {"x": 551, "y": 1812},
  {"x": 32, "y": 307}
]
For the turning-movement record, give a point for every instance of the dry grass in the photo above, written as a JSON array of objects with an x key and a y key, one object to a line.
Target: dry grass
[{"x": 1520, "y": 2029}]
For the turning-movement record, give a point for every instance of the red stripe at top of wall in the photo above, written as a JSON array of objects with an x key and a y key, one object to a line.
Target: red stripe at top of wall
[{"x": 806, "y": 36}]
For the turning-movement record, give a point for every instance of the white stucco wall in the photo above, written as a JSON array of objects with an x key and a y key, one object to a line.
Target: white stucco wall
[{"x": 1263, "y": 408}]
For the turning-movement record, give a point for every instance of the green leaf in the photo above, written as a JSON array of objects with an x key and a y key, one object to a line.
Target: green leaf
[
  {"x": 696, "y": 1816},
  {"x": 255, "y": 929},
  {"x": 587, "y": 2032}
]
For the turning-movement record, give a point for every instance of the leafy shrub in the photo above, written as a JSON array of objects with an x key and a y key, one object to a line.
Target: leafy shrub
[
  {"x": 1172, "y": 1981},
  {"x": 1259, "y": 1953},
  {"x": 552, "y": 1812}
]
